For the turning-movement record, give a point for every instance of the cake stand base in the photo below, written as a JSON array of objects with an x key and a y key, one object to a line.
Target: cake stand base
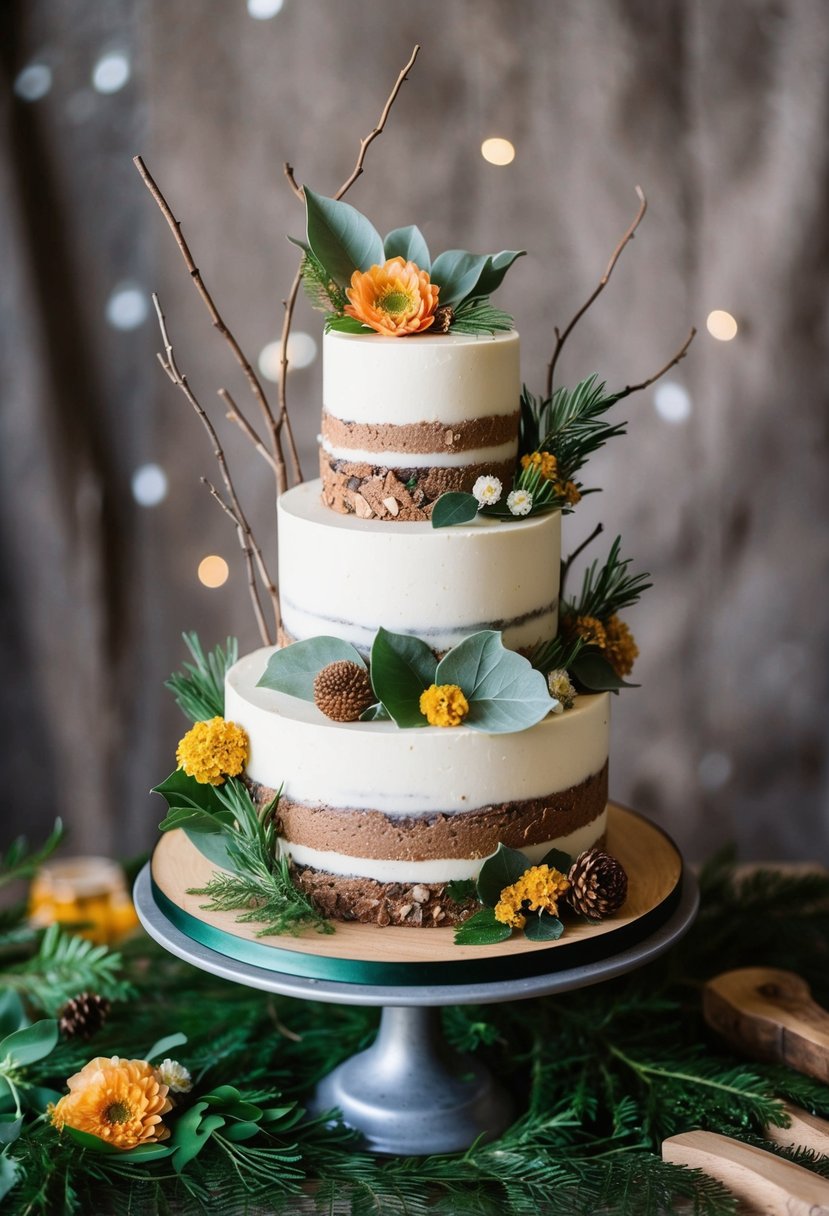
[{"x": 409, "y": 1094}]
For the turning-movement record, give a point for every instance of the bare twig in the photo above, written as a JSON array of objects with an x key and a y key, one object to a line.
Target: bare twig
[
  {"x": 234, "y": 414},
  {"x": 563, "y": 335},
  {"x": 274, "y": 428},
  {"x": 247, "y": 543},
  {"x": 571, "y": 557},
  {"x": 289, "y": 304},
  {"x": 680, "y": 354}
]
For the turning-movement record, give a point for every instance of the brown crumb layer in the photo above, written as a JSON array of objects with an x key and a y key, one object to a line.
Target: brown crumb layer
[
  {"x": 421, "y": 437},
  {"x": 408, "y": 495}
]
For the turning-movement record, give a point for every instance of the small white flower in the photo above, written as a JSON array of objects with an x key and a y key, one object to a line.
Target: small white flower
[
  {"x": 562, "y": 688},
  {"x": 487, "y": 490},
  {"x": 175, "y": 1076},
  {"x": 520, "y": 502}
]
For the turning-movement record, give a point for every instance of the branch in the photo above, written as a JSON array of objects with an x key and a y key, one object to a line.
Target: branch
[
  {"x": 256, "y": 389},
  {"x": 680, "y": 354},
  {"x": 246, "y": 540},
  {"x": 288, "y": 170},
  {"x": 568, "y": 561},
  {"x": 234, "y": 414},
  {"x": 561, "y": 337},
  {"x": 378, "y": 130}
]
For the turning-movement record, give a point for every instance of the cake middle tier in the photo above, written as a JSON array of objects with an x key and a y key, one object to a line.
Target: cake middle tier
[{"x": 345, "y": 577}]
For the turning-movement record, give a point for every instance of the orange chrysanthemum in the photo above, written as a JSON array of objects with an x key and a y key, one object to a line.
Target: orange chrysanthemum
[
  {"x": 120, "y": 1101},
  {"x": 395, "y": 299}
]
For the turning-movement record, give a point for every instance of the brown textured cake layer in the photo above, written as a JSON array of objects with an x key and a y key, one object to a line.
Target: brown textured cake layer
[
  {"x": 421, "y": 437},
  {"x": 377, "y": 492},
  {"x": 475, "y": 833},
  {"x": 419, "y": 905}
]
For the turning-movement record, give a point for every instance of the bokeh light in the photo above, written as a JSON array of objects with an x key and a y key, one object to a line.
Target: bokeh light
[
  {"x": 498, "y": 151},
  {"x": 714, "y": 770},
  {"x": 111, "y": 72},
  {"x": 263, "y": 9},
  {"x": 302, "y": 351},
  {"x": 149, "y": 485},
  {"x": 721, "y": 325},
  {"x": 213, "y": 571},
  {"x": 672, "y": 401},
  {"x": 127, "y": 307},
  {"x": 33, "y": 82}
]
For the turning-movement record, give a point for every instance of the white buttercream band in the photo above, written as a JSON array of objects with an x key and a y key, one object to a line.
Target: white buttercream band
[
  {"x": 423, "y": 460},
  {"x": 444, "y": 869}
]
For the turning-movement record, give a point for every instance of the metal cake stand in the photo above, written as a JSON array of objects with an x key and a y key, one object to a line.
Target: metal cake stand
[{"x": 409, "y": 1094}]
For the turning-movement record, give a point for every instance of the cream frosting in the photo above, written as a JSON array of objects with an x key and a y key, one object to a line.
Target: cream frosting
[
  {"x": 346, "y": 576},
  {"x": 444, "y": 869},
  {"x": 415, "y": 772},
  {"x": 448, "y": 378}
]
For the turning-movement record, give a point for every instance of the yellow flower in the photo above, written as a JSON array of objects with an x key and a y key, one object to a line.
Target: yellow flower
[
  {"x": 444, "y": 705},
  {"x": 213, "y": 750},
  {"x": 545, "y": 462},
  {"x": 570, "y": 492},
  {"x": 395, "y": 299},
  {"x": 621, "y": 648},
  {"x": 539, "y": 888},
  {"x": 588, "y": 627},
  {"x": 120, "y": 1101}
]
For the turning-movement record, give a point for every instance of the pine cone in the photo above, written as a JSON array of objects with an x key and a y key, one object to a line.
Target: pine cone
[
  {"x": 444, "y": 316},
  {"x": 342, "y": 691},
  {"x": 599, "y": 884},
  {"x": 83, "y": 1016}
]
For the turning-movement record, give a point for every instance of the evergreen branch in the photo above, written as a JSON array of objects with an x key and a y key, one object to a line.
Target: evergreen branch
[
  {"x": 478, "y": 316},
  {"x": 275, "y": 902},
  {"x": 199, "y": 689},
  {"x": 19, "y": 862},
  {"x": 558, "y": 652},
  {"x": 65, "y": 965},
  {"x": 608, "y": 588},
  {"x": 570, "y": 425},
  {"x": 321, "y": 290}
]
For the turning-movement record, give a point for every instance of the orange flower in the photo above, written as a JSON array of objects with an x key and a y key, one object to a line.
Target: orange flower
[
  {"x": 396, "y": 298},
  {"x": 120, "y": 1101}
]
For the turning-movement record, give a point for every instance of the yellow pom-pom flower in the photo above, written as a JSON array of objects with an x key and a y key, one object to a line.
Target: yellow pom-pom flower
[
  {"x": 537, "y": 890},
  {"x": 120, "y": 1101},
  {"x": 544, "y": 462},
  {"x": 444, "y": 705},
  {"x": 212, "y": 751},
  {"x": 395, "y": 299},
  {"x": 620, "y": 646}
]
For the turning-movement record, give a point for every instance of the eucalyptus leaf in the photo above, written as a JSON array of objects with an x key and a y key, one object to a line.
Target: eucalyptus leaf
[
  {"x": 592, "y": 670},
  {"x": 12, "y": 1014},
  {"x": 9, "y": 1174},
  {"x": 543, "y": 927},
  {"x": 340, "y": 237},
  {"x": 347, "y": 325},
  {"x": 497, "y": 265},
  {"x": 456, "y": 272},
  {"x": 410, "y": 245},
  {"x": 502, "y": 869},
  {"x": 294, "y": 668},
  {"x": 10, "y": 1128},
  {"x": 482, "y": 929},
  {"x": 504, "y": 691},
  {"x": 214, "y": 846},
  {"x": 558, "y": 860},
  {"x": 300, "y": 244},
  {"x": 166, "y": 1044},
  {"x": 402, "y": 668},
  {"x": 454, "y": 508},
  {"x": 30, "y": 1044}
]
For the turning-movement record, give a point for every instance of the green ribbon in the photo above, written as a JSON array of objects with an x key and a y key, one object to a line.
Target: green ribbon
[{"x": 453, "y": 971}]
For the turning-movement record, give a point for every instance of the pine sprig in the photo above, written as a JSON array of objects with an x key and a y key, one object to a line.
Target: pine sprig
[
  {"x": 199, "y": 688},
  {"x": 261, "y": 878},
  {"x": 478, "y": 316},
  {"x": 20, "y": 861},
  {"x": 608, "y": 588},
  {"x": 556, "y": 653},
  {"x": 323, "y": 293},
  {"x": 65, "y": 965},
  {"x": 570, "y": 425}
]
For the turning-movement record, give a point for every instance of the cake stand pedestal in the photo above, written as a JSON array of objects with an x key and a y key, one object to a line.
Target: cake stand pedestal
[{"x": 409, "y": 1094}]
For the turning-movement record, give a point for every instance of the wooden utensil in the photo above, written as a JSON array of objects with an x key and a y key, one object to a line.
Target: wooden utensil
[
  {"x": 770, "y": 1014},
  {"x": 804, "y": 1131},
  {"x": 767, "y": 1183}
]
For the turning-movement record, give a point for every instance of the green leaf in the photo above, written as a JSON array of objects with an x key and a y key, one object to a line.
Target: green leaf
[
  {"x": 199, "y": 801},
  {"x": 213, "y": 846},
  {"x": 30, "y": 1044},
  {"x": 241, "y": 1131},
  {"x": 12, "y": 1015},
  {"x": 461, "y": 889},
  {"x": 482, "y": 929},
  {"x": 504, "y": 691},
  {"x": 375, "y": 713},
  {"x": 558, "y": 860},
  {"x": 164, "y": 1045},
  {"x": 454, "y": 508},
  {"x": 10, "y": 1128},
  {"x": 341, "y": 238},
  {"x": 9, "y": 1174},
  {"x": 192, "y": 1131},
  {"x": 543, "y": 927},
  {"x": 496, "y": 266},
  {"x": 408, "y": 244},
  {"x": 347, "y": 325},
  {"x": 402, "y": 667},
  {"x": 294, "y": 668},
  {"x": 502, "y": 869},
  {"x": 592, "y": 670},
  {"x": 141, "y": 1152},
  {"x": 456, "y": 272}
]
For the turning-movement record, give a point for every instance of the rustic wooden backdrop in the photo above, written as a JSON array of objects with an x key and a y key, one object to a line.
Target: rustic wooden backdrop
[{"x": 717, "y": 107}]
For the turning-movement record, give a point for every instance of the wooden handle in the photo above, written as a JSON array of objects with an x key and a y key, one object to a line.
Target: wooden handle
[
  {"x": 767, "y": 1183},
  {"x": 804, "y": 1131},
  {"x": 770, "y": 1015}
]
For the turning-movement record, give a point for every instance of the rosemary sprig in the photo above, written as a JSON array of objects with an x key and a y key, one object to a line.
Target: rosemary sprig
[
  {"x": 556, "y": 653},
  {"x": 570, "y": 425},
  {"x": 477, "y": 316},
  {"x": 199, "y": 688},
  {"x": 321, "y": 290},
  {"x": 608, "y": 588}
]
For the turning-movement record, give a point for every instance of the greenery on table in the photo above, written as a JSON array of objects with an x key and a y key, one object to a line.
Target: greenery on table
[{"x": 599, "y": 1078}]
